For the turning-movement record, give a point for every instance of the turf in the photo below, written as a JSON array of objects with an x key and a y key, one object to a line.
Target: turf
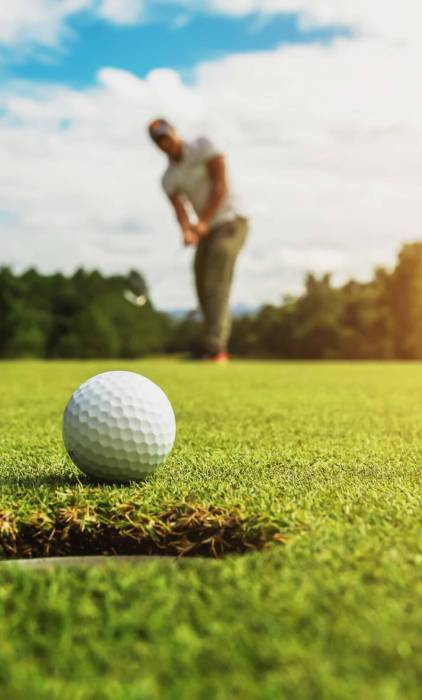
[{"x": 319, "y": 465}]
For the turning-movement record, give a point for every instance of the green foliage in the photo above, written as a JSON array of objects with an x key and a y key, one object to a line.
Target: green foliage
[
  {"x": 96, "y": 333},
  {"x": 329, "y": 454},
  {"x": 380, "y": 319},
  {"x": 186, "y": 335},
  {"x": 83, "y": 316},
  {"x": 406, "y": 302}
]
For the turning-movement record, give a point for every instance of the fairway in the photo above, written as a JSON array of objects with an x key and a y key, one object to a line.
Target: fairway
[{"x": 293, "y": 494}]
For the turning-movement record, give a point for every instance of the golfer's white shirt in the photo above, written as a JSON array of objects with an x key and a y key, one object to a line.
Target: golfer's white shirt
[{"x": 190, "y": 177}]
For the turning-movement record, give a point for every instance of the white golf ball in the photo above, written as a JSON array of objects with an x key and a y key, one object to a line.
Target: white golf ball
[{"x": 118, "y": 426}]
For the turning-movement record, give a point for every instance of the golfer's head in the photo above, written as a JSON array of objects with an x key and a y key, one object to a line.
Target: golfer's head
[{"x": 165, "y": 136}]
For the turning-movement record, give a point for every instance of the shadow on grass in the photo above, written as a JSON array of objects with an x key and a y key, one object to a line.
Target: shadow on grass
[
  {"x": 63, "y": 481},
  {"x": 49, "y": 480}
]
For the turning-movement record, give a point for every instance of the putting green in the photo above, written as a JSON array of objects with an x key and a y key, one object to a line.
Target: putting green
[{"x": 316, "y": 465}]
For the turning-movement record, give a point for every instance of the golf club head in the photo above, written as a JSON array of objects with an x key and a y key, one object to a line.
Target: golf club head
[{"x": 140, "y": 300}]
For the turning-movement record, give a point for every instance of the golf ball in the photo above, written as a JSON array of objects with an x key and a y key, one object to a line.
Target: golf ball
[{"x": 118, "y": 426}]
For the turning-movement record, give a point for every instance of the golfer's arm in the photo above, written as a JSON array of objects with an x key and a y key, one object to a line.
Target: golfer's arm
[
  {"x": 180, "y": 211},
  {"x": 217, "y": 172}
]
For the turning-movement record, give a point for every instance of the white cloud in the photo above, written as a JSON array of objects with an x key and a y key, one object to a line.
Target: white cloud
[
  {"x": 181, "y": 21},
  {"x": 45, "y": 22},
  {"x": 386, "y": 18},
  {"x": 36, "y": 21},
  {"x": 324, "y": 143},
  {"x": 121, "y": 11}
]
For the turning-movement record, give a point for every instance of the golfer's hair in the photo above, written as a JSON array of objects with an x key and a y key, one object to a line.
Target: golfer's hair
[{"x": 159, "y": 123}]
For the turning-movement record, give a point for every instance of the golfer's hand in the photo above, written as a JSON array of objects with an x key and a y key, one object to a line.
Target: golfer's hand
[
  {"x": 201, "y": 228},
  {"x": 190, "y": 236}
]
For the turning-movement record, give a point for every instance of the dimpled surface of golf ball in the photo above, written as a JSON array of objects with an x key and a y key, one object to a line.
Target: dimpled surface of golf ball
[{"x": 118, "y": 426}]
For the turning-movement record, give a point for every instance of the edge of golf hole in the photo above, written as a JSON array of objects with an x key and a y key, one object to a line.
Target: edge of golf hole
[{"x": 89, "y": 561}]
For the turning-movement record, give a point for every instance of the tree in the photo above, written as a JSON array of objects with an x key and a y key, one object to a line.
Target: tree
[
  {"x": 405, "y": 301},
  {"x": 318, "y": 330},
  {"x": 96, "y": 334}
]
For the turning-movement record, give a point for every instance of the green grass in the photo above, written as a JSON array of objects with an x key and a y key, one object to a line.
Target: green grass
[{"x": 320, "y": 462}]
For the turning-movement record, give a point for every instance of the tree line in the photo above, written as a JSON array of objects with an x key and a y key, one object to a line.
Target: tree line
[
  {"x": 82, "y": 316},
  {"x": 87, "y": 315},
  {"x": 379, "y": 319}
]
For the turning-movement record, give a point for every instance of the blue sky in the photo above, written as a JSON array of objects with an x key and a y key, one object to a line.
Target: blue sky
[{"x": 170, "y": 39}]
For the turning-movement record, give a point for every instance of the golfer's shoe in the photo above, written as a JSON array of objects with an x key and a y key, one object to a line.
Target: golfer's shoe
[{"x": 220, "y": 358}]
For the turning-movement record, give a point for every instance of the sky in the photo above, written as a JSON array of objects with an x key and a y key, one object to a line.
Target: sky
[{"x": 316, "y": 104}]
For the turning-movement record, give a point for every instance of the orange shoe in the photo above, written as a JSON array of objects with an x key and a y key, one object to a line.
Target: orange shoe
[{"x": 220, "y": 358}]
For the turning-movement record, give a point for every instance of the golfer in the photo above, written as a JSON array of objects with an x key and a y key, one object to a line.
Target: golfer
[{"x": 196, "y": 178}]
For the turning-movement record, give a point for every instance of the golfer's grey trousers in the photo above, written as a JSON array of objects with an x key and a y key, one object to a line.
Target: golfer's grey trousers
[{"x": 215, "y": 259}]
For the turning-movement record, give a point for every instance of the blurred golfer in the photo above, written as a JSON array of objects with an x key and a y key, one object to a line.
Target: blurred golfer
[{"x": 196, "y": 177}]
